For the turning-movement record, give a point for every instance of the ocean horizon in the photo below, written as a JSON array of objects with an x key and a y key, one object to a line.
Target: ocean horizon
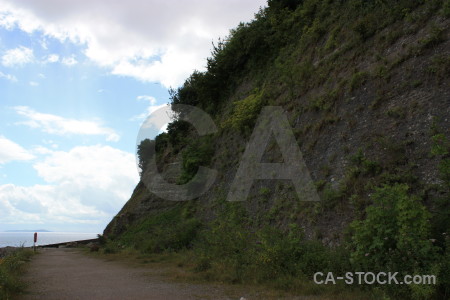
[{"x": 18, "y": 239}]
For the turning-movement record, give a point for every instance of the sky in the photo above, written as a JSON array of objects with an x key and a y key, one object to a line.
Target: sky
[{"x": 77, "y": 80}]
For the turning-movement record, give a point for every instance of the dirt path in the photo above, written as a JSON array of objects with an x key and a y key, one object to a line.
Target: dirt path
[{"x": 67, "y": 274}]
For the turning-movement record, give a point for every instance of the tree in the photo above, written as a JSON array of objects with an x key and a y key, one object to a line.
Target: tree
[{"x": 145, "y": 152}]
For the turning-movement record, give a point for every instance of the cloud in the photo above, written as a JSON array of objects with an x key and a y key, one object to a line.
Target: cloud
[
  {"x": 33, "y": 83},
  {"x": 156, "y": 41},
  {"x": 149, "y": 110},
  {"x": 168, "y": 70},
  {"x": 69, "y": 61},
  {"x": 52, "y": 58},
  {"x": 86, "y": 185},
  {"x": 62, "y": 126},
  {"x": 88, "y": 166},
  {"x": 17, "y": 57},
  {"x": 150, "y": 99},
  {"x": 41, "y": 150},
  {"x": 8, "y": 77},
  {"x": 10, "y": 151}
]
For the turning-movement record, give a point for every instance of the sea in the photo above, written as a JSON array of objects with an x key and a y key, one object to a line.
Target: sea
[{"x": 18, "y": 239}]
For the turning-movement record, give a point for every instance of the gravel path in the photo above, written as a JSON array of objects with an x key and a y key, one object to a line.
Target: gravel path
[{"x": 67, "y": 274}]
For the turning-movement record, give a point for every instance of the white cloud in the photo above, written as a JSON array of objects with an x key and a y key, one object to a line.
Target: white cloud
[
  {"x": 10, "y": 151},
  {"x": 150, "y": 99},
  {"x": 69, "y": 61},
  {"x": 52, "y": 58},
  {"x": 34, "y": 83},
  {"x": 170, "y": 70},
  {"x": 43, "y": 43},
  {"x": 17, "y": 57},
  {"x": 86, "y": 185},
  {"x": 41, "y": 150},
  {"x": 61, "y": 126},
  {"x": 160, "y": 41},
  {"x": 8, "y": 77},
  {"x": 93, "y": 166},
  {"x": 149, "y": 110}
]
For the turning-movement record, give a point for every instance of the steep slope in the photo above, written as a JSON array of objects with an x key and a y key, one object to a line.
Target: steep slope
[
  {"x": 382, "y": 96},
  {"x": 365, "y": 87}
]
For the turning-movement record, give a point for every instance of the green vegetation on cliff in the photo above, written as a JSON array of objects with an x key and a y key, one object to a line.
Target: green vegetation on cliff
[{"x": 364, "y": 86}]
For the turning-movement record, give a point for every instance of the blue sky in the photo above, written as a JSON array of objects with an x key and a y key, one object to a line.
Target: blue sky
[{"x": 77, "y": 79}]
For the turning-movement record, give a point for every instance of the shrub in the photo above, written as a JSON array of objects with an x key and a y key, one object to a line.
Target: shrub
[
  {"x": 395, "y": 229},
  {"x": 110, "y": 249},
  {"x": 245, "y": 112},
  {"x": 446, "y": 8},
  {"x": 444, "y": 168},
  {"x": 170, "y": 230},
  {"x": 288, "y": 253},
  {"x": 444, "y": 272},
  {"x": 177, "y": 132},
  {"x": 102, "y": 240},
  {"x": 395, "y": 236},
  {"x": 364, "y": 29},
  {"x": 198, "y": 153},
  {"x": 145, "y": 152},
  {"x": 228, "y": 250},
  {"x": 226, "y": 243},
  {"x": 439, "y": 66},
  {"x": 10, "y": 269},
  {"x": 366, "y": 166},
  {"x": 358, "y": 79},
  {"x": 278, "y": 253},
  {"x": 441, "y": 148},
  {"x": 435, "y": 37}
]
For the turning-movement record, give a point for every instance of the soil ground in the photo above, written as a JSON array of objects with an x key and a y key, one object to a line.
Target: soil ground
[{"x": 67, "y": 273}]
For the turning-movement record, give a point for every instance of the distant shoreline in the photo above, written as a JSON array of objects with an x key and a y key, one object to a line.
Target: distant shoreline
[
  {"x": 38, "y": 230},
  {"x": 8, "y": 249},
  {"x": 17, "y": 239}
]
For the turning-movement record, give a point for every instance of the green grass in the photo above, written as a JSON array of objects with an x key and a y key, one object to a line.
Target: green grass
[
  {"x": 182, "y": 266},
  {"x": 226, "y": 250},
  {"x": 173, "y": 229},
  {"x": 11, "y": 267}
]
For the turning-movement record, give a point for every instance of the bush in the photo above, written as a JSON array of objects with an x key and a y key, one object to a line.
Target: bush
[
  {"x": 278, "y": 254},
  {"x": 358, "y": 79},
  {"x": 446, "y": 9},
  {"x": 441, "y": 145},
  {"x": 365, "y": 28},
  {"x": 102, "y": 240},
  {"x": 177, "y": 133},
  {"x": 435, "y": 37},
  {"x": 395, "y": 236},
  {"x": 245, "y": 112},
  {"x": 226, "y": 243},
  {"x": 10, "y": 269},
  {"x": 198, "y": 153},
  {"x": 145, "y": 152},
  {"x": 441, "y": 148},
  {"x": 229, "y": 251},
  {"x": 170, "y": 230},
  {"x": 444, "y": 169},
  {"x": 439, "y": 66}
]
